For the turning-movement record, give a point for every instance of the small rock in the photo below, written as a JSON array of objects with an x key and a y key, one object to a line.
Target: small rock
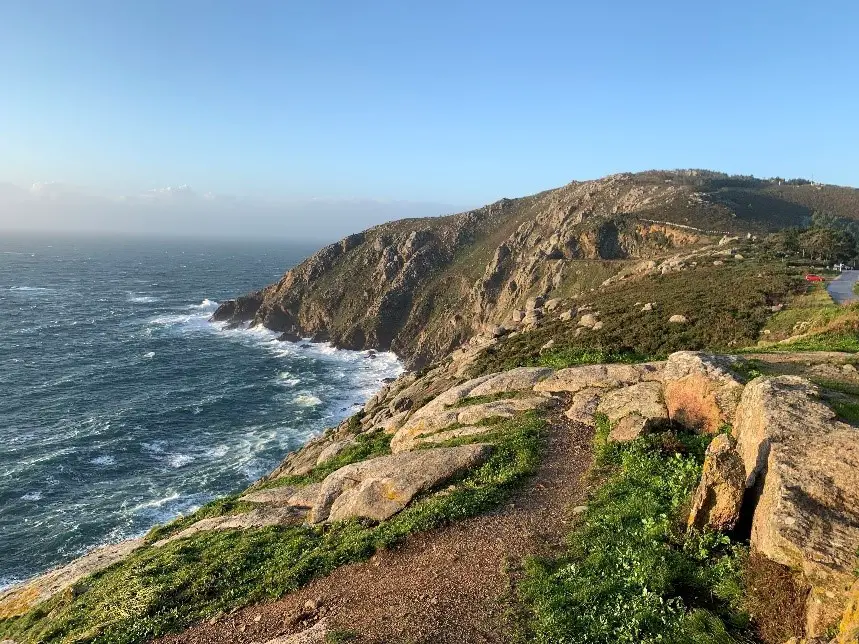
[
  {"x": 597, "y": 326},
  {"x": 648, "y": 307},
  {"x": 517, "y": 316},
  {"x": 717, "y": 501},
  {"x": 579, "y": 509},
  {"x": 312, "y": 605},
  {"x": 588, "y": 320},
  {"x": 553, "y": 304},
  {"x": 534, "y": 303},
  {"x": 548, "y": 345},
  {"x": 257, "y": 618},
  {"x": 678, "y": 319},
  {"x": 568, "y": 315},
  {"x": 718, "y": 262}
]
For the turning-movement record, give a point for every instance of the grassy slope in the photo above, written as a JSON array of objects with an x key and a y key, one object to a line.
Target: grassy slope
[
  {"x": 726, "y": 306},
  {"x": 158, "y": 590},
  {"x": 816, "y": 323}
]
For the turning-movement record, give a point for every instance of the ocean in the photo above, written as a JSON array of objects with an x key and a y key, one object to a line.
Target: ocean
[{"x": 121, "y": 406}]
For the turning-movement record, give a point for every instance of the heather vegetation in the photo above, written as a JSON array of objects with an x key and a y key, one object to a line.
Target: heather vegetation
[{"x": 726, "y": 308}]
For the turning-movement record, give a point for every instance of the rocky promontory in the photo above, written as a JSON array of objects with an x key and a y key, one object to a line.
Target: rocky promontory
[
  {"x": 628, "y": 418},
  {"x": 422, "y": 287}
]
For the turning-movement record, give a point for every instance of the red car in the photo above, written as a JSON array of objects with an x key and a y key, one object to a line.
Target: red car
[{"x": 813, "y": 278}]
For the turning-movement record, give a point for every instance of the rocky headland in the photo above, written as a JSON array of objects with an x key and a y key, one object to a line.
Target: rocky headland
[{"x": 627, "y": 418}]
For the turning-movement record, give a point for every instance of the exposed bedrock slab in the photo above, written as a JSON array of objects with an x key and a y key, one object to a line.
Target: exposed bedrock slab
[
  {"x": 519, "y": 379},
  {"x": 410, "y": 435},
  {"x": 286, "y": 495},
  {"x": 380, "y": 487},
  {"x": 634, "y": 410},
  {"x": 600, "y": 376}
]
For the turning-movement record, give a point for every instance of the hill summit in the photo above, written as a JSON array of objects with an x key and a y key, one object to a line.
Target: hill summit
[{"x": 422, "y": 287}]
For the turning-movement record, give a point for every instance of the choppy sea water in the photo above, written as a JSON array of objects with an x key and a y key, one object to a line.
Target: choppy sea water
[{"x": 121, "y": 406}]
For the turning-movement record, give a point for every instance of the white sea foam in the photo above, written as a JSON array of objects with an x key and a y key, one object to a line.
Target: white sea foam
[
  {"x": 32, "y": 496},
  {"x": 142, "y": 299},
  {"x": 307, "y": 400},
  {"x": 103, "y": 460},
  {"x": 178, "y": 460},
  {"x": 156, "y": 503},
  {"x": 219, "y": 451},
  {"x": 153, "y": 447},
  {"x": 288, "y": 379},
  {"x": 207, "y": 304},
  {"x": 28, "y": 288}
]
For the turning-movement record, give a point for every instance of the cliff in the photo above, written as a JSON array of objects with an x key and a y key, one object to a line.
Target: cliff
[{"x": 423, "y": 287}]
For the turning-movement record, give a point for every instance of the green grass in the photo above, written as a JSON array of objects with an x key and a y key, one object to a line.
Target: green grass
[
  {"x": 847, "y": 410},
  {"x": 477, "y": 400},
  {"x": 846, "y": 341},
  {"x": 631, "y": 572},
  {"x": 842, "y": 397},
  {"x": 159, "y": 590},
  {"x": 572, "y": 356}
]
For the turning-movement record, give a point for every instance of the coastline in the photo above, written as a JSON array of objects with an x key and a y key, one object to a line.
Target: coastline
[{"x": 106, "y": 552}]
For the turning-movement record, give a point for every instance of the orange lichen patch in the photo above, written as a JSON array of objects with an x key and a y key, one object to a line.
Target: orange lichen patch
[
  {"x": 20, "y": 600},
  {"x": 692, "y": 401},
  {"x": 848, "y": 632}
]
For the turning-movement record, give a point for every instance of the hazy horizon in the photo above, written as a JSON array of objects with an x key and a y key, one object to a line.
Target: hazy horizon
[{"x": 312, "y": 121}]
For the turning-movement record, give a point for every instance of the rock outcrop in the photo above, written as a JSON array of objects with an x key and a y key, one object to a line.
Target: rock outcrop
[
  {"x": 848, "y": 630},
  {"x": 380, "y": 487},
  {"x": 634, "y": 410},
  {"x": 717, "y": 501},
  {"x": 701, "y": 391},
  {"x": 805, "y": 465},
  {"x": 427, "y": 286},
  {"x": 599, "y": 376}
]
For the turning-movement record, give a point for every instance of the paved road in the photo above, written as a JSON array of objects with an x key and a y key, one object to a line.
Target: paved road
[{"x": 841, "y": 288}]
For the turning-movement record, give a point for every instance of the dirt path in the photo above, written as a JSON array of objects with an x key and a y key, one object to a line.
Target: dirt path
[{"x": 443, "y": 586}]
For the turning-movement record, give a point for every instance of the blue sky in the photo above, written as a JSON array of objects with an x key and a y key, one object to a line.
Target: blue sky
[{"x": 454, "y": 103}]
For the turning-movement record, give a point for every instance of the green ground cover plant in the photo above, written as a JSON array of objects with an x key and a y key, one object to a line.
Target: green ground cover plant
[
  {"x": 631, "y": 572},
  {"x": 162, "y": 589}
]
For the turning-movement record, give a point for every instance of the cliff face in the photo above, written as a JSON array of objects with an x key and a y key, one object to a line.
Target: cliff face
[{"x": 422, "y": 287}]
